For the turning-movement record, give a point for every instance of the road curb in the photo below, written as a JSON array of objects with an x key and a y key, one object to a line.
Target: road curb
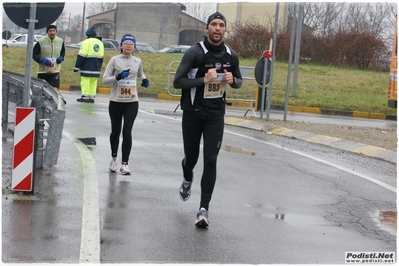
[
  {"x": 300, "y": 109},
  {"x": 350, "y": 146}
]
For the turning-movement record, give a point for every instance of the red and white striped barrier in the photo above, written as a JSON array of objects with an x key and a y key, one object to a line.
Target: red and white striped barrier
[{"x": 24, "y": 142}]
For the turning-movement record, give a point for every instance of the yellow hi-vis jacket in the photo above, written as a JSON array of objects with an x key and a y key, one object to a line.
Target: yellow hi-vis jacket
[{"x": 90, "y": 57}]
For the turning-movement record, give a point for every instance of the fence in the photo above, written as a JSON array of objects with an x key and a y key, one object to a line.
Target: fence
[
  {"x": 50, "y": 114},
  {"x": 233, "y": 96}
]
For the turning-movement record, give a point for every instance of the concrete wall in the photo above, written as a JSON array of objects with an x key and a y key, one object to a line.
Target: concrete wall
[{"x": 191, "y": 30}]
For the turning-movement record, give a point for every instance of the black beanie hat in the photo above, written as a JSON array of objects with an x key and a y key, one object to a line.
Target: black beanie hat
[
  {"x": 51, "y": 27},
  {"x": 91, "y": 32},
  {"x": 215, "y": 16}
]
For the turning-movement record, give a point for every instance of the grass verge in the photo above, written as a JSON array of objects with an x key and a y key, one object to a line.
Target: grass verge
[{"x": 318, "y": 86}]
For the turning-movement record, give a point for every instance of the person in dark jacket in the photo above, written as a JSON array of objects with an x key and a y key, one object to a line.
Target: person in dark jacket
[
  {"x": 89, "y": 61},
  {"x": 203, "y": 74},
  {"x": 49, "y": 53}
]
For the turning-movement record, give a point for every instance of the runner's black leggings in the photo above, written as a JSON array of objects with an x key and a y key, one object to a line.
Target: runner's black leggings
[
  {"x": 117, "y": 112},
  {"x": 211, "y": 129}
]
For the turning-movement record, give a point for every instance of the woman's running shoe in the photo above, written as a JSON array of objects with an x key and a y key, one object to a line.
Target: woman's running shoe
[
  {"x": 113, "y": 166},
  {"x": 125, "y": 170}
]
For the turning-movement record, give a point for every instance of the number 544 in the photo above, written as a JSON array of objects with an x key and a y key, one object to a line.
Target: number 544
[{"x": 125, "y": 91}]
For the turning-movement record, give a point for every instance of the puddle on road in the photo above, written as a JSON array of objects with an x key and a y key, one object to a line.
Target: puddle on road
[
  {"x": 233, "y": 149},
  {"x": 388, "y": 220}
]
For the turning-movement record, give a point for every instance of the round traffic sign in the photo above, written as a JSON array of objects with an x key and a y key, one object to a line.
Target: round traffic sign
[
  {"x": 46, "y": 13},
  {"x": 260, "y": 69},
  {"x": 6, "y": 35}
]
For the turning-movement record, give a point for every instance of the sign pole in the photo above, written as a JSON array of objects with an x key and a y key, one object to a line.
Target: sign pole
[
  {"x": 262, "y": 99},
  {"x": 29, "y": 53},
  {"x": 273, "y": 59}
]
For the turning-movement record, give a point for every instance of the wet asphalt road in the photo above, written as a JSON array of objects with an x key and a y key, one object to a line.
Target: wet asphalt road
[{"x": 276, "y": 200}]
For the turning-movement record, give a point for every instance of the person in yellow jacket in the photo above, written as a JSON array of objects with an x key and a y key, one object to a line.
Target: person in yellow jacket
[
  {"x": 89, "y": 61},
  {"x": 49, "y": 53}
]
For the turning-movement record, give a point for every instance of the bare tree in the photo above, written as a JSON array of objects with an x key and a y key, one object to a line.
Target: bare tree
[
  {"x": 312, "y": 14},
  {"x": 200, "y": 11},
  {"x": 377, "y": 19},
  {"x": 62, "y": 22},
  {"x": 99, "y": 7},
  {"x": 329, "y": 17},
  {"x": 331, "y": 13},
  {"x": 321, "y": 16},
  {"x": 76, "y": 22},
  {"x": 393, "y": 10},
  {"x": 390, "y": 22}
]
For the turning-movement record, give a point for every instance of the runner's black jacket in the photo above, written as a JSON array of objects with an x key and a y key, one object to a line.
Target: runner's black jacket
[{"x": 190, "y": 76}]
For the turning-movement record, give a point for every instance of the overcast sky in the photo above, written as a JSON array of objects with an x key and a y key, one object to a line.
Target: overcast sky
[{"x": 75, "y": 8}]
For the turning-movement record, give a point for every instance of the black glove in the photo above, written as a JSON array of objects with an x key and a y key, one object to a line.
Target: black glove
[{"x": 124, "y": 74}]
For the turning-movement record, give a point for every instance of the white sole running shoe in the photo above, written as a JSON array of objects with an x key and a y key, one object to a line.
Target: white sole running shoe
[
  {"x": 113, "y": 166},
  {"x": 125, "y": 170}
]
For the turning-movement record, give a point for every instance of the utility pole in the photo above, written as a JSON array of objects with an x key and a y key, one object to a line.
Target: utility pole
[
  {"x": 69, "y": 24},
  {"x": 83, "y": 22}
]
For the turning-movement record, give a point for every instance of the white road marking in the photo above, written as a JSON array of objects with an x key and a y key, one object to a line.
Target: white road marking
[
  {"x": 90, "y": 248},
  {"x": 375, "y": 181}
]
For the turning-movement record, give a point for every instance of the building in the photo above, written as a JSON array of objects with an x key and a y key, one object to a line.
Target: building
[
  {"x": 104, "y": 23},
  {"x": 262, "y": 13},
  {"x": 158, "y": 24}
]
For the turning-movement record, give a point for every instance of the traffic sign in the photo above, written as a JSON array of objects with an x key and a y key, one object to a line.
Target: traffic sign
[
  {"x": 6, "y": 35},
  {"x": 46, "y": 13},
  {"x": 24, "y": 140},
  {"x": 260, "y": 69}
]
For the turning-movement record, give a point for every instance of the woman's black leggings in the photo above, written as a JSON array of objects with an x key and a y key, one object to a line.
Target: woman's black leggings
[
  {"x": 117, "y": 111},
  {"x": 211, "y": 129}
]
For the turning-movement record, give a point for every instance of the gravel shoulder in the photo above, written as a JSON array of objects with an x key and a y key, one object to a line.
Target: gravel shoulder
[{"x": 382, "y": 138}]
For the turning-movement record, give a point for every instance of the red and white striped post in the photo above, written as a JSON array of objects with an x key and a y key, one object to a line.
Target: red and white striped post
[{"x": 24, "y": 142}]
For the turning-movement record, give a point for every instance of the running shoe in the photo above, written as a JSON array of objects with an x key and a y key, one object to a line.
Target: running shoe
[
  {"x": 125, "y": 170},
  {"x": 202, "y": 218},
  {"x": 113, "y": 166},
  {"x": 185, "y": 190}
]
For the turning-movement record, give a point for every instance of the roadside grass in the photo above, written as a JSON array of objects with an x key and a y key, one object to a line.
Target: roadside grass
[{"x": 319, "y": 86}]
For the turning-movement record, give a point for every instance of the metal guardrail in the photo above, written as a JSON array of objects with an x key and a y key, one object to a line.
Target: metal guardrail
[
  {"x": 245, "y": 73},
  {"x": 50, "y": 114}
]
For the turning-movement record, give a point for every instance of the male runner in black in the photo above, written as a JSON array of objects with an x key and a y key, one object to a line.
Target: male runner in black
[{"x": 203, "y": 74}]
